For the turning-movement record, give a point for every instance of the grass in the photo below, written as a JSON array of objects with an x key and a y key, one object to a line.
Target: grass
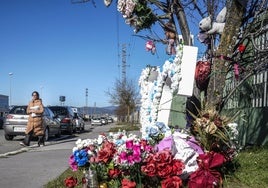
[
  {"x": 251, "y": 172},
  {"x": 126, "y": 127}
]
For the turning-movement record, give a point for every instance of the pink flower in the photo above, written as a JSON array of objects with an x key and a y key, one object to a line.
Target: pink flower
[
  {"x": 129, "y": 144},
  {"x": 123, "y": 156},
  {"x": 72, "y": 163}
]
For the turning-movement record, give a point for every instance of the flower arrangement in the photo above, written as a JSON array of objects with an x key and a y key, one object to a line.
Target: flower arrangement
[
  {"x": 152, "y": 81},
  {"x": 216, "y": 132},
  {"x": 166, "y": 158},
  {"x": 162, "y": 157}
]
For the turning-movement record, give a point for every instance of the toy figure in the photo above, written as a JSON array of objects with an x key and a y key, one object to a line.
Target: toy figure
[
  {"x": 212, "y": 27},
  {"x": 171, "y": 39}
]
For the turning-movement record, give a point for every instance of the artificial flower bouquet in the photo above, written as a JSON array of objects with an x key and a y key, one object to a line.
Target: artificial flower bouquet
[{"x": 164, "y": 157}]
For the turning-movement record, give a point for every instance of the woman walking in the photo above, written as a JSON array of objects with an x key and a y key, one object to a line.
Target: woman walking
[{"x": 34, "y": 127}]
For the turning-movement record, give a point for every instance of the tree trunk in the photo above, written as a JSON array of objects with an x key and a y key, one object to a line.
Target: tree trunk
[
  {"x": 220, "y": 66},
  {"x": 184, "y": 27}
]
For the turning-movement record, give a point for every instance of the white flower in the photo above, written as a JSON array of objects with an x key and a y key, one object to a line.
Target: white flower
[
  {"x": 79, "y": 144},
  {"x": 100, "y": 139},
  {"x": 74, "y": 149}
]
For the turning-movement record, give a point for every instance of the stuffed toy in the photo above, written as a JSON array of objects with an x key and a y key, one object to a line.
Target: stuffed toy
[
  {"x": 214, "y": 27},
  {"x": 107, "y": 2},
  {"x": 171, "y": 39}
]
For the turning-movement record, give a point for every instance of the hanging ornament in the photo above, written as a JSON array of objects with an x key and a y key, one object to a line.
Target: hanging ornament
[
  {"x": 202, "y": 72},
  {"x": 236, "y": 71},
  {"x": 241, "y": 48},
  {"x": 150, "y": 46}
]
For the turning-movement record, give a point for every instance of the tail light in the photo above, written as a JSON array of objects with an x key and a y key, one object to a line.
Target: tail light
[{"x": 66, "y": 120}]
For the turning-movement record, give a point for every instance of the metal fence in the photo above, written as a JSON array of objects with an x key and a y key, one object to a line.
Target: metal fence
[{"x": 251, "y": 96}]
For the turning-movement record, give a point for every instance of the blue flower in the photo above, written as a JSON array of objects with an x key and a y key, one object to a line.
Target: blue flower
[
  {"x": 152, "y": 131},
  {"x": 81, "y": 157},
  {"x": 160, "y": 125},
  {"x": 119, "y": 142}
]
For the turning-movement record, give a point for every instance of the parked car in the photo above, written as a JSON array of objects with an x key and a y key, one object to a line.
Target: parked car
[
  {"x": 17, "y": 118},
  {"x": 66, "y": 116},
  {"x": 104, "y": 120},
  {"x": 96, "y": 121},
  {"x": 79, "y": 122},
  {"x": 110, "y": 120}
]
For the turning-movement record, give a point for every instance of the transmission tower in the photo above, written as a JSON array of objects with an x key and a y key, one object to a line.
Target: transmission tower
[{"x": 124, "y": 63}]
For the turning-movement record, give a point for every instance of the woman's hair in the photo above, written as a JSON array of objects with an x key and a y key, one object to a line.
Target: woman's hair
[{"x": 35, "y": 92}]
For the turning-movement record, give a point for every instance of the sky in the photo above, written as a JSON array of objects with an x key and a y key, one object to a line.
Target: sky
[{"x": 59, "y": 48}]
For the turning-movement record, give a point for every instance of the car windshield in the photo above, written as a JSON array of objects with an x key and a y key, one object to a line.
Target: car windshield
[
  {"x": 59, "y": 110},
  {"x": 20, "y": 110}
]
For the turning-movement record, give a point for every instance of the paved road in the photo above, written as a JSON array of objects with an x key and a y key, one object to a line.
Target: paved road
[{"x": 33, "y": 167}]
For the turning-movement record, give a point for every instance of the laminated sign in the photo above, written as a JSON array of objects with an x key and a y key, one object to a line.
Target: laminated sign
[{"x": 188, "y": 65}]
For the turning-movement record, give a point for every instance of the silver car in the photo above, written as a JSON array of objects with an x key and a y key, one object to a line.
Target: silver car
[
  {"x": 79, "y": 122},
  {"x": 17, "y": 118},
  {"x": 96, "y": 121}
]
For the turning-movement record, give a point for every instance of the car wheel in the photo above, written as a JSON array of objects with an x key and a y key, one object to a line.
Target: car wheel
[
  {"x": 74, "y": 128},
  {"x": 58, "y": 135},
  {"x": 46, "y": 134},
  {"x": 9, "y": 137},
  {"x": 71, "y": 131}
]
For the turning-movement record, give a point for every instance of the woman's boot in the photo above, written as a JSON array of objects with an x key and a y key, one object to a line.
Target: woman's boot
[
  {"x": 41, "y": 141},
  {"x": 26, "y": 141}
]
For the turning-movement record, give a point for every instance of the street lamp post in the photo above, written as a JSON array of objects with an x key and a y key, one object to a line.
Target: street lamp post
[
  {"x": 10, "y": 93},
  {"x": 41, "y": 88}
]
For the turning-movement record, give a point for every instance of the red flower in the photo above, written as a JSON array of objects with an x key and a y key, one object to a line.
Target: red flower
[
  {"x": 149, "y": 169},
  {"x": 210, "y": 160},
  {"x": 177, "y": 167},
  {"x": 126, "y": 183},
  {"x": 70, "y": 182},
  {"x": 114, "y": 173},
  {"x": 172, "y": 182},
  {"x": 206, "y": 175},
  {"x": 106, "y": 153},
  {"x": 163, "y": 156},
  {"x": 145, "y": 146},
  {"x": 204, "y": 178},
  {"x": 164, "y": 170}
]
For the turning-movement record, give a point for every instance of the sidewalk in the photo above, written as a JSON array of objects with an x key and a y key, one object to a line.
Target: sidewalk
[{"x": 36, "y": 167}]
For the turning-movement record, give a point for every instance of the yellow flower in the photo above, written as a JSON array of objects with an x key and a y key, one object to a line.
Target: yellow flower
[{"x": 211, "y": 128}]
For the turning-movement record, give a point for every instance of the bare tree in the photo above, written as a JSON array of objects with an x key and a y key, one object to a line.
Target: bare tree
[{"x": 124, "y": 94}]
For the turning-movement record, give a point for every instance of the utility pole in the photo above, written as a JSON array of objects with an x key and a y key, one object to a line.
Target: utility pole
[
  {"x": 94, "y": 109},
  {"x": 124, "y": 63},
  {"x": 86, "y": 100},
  {"x": 10, "y": 88}
]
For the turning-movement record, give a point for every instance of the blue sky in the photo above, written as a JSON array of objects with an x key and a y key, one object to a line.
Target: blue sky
[{"x": 60, "y": 49}]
